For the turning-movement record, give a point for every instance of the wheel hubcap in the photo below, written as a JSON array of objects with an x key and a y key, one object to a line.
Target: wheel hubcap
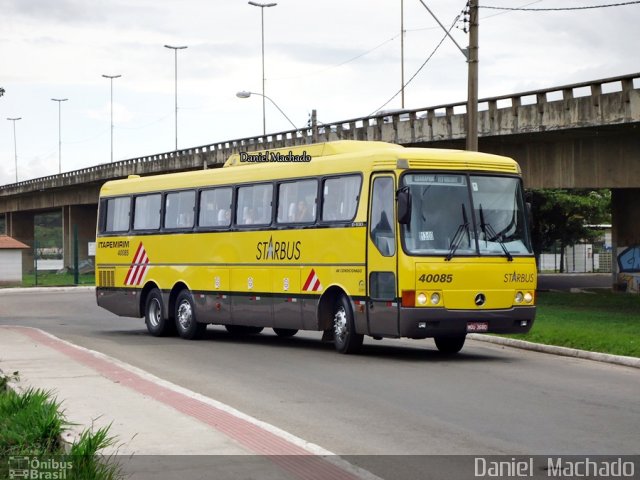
[
  {"x": 185, "y": 315},
  {"x": 340, "y": 325},
  {"x": 155, "y": 312}
]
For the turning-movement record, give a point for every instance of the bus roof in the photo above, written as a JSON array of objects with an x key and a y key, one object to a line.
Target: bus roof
[{"x": 343, "y": 156}]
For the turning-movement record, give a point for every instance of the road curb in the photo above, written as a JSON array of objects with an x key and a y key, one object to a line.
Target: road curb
[
  {"x": 555, "y": 350},
  {"x": 8, "y": 291}
]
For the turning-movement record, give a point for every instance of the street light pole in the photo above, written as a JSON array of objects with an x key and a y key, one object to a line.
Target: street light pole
[
  {"x": 175, "y": 49},
  {"x": 245, "y": 94},
  {"x": 262, "y": 7},
  {"x": 15, "y": 149},
  {"x": 111, "y": 77},
  {"x": 59, "y": 100}
]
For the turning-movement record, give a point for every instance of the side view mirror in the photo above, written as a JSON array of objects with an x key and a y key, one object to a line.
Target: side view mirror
[{"x": 403, "y": 202}]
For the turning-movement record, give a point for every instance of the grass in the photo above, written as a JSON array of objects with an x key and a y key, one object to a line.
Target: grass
[
  {"x": 54, "y": 279},
  {"x": 601, "y": 321},
  {"x": 31, "y": 423}
]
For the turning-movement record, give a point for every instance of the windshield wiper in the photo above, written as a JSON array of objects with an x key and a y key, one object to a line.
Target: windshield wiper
[
  {"x": 493, "y": 236},
  {"x": 459, "y": 235}
]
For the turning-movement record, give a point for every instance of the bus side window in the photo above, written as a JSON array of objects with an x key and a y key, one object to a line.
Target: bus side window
[
  {"x": 254, "y": 204},
  {"x": 215, "y": 207},
  {"x": 147, "y": 212},
  {"x": 340, "y": 198},
  {"x": 383, "y": 233},
  {"x": 179, "y": 208},
  {"x": 118, "y": 211},
  {"x": 296, "y": 201}
]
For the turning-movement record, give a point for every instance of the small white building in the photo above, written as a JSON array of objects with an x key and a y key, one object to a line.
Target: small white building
[{"x": 11, "y": 260}]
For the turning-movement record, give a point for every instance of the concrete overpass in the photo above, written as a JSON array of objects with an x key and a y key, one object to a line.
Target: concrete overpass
[{"x": 583, "y": 135}]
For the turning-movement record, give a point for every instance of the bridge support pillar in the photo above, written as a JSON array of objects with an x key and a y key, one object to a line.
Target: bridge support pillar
[
  {"x": 84, "y": 216},
  {"x": 20, "y": 225},
  {"x": 625, "y": 216}
]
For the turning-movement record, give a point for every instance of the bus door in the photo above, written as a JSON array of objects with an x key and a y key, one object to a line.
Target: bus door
[{"x": 382, "y": 306}]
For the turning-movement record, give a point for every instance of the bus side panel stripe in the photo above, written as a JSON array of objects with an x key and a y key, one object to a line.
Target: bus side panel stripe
[
  {"x": 141, "y": 269},
  {"x": 310, "y": 278},
  {"x": 128, "y": 279}
]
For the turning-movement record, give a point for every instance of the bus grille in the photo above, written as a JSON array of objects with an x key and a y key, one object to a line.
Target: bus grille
[{"x": 106, "y": 278}]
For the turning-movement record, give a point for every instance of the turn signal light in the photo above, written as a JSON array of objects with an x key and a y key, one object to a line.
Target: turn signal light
[{"x": 408, "y": 298}]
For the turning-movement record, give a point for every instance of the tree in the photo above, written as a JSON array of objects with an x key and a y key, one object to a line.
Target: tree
[{"x": 565, "y": 216}]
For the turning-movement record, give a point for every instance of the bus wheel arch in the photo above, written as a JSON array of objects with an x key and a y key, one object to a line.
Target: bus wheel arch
[
  {"x": 155, "y": 317},
  {"x": 173, "y": 296},
  {"x": 186, "y": 321},
  {"x": 336, "y": 318},
  {"x": 325, "y": 308},
  {"x": 144, "y": 293}
]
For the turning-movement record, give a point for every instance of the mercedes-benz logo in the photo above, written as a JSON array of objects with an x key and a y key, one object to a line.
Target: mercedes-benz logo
[{"x": 480, "y": 299}]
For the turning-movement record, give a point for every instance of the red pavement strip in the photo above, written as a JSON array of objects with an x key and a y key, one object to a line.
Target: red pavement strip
[{"x": 288, "y": 456}]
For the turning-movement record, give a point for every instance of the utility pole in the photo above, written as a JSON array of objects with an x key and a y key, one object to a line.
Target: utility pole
[
  {"x": 402, "y": 51},
  {"x": 471, "y": 54},
  {"x": 111, "y": 77},
  {"x": 472, "y": 82}
]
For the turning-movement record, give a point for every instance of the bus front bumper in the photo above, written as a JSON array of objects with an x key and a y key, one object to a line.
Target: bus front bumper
[{"x": 431, "y": 322}]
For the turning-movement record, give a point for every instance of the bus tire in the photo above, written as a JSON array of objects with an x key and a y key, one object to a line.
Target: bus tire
[
  {"x": 243, "y": 329},
  {"x": 188, "y": 327},
  {"x": 450, "y": 345},
  {"x": 345, "y": 340},
  {"x": 154, "y": 318},
  {"x": 285, "y": 332}
]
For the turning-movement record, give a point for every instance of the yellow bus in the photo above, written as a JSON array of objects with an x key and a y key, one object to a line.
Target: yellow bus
[{"x": 347, "y": 238}]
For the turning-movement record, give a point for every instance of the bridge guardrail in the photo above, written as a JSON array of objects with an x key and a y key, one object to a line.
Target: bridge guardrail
[{"x": 440, "y": 122}]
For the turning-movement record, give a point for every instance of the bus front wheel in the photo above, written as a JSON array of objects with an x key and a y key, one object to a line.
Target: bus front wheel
[
  {"x": 345, "y": 338},
  {"x": 186, "y": 323},
  {"x": 157, "y": 324},
  {"x": 450, "y": 345}
]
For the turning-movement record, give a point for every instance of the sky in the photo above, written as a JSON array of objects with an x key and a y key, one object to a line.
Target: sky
[{"x": 341, "y": 58}]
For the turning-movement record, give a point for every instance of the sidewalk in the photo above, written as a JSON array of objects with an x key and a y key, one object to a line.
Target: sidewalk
[{"x": 150, "y": 416}]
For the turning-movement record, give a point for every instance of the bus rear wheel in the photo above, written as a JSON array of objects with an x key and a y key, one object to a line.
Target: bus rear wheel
[
  {"x": 188, "y": 327},
  {"x": 450, "y": 345},
  {"x": 345, "y": 338},
  {"x": 154, "y": 318},
  {"x": 285, "y": 332}
]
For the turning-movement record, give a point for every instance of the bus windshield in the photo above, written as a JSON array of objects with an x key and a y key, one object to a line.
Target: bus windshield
[{"x": 457, "y": 214}]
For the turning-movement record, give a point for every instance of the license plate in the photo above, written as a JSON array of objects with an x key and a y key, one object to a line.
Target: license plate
[{"x": 477, "y": 326}]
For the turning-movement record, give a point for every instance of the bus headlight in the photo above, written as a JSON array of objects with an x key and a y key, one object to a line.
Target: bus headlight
[
  {"x": 435, "y": 298},
  {"x": 528, "y": 297},
  {"x": 519, "y": 297},
  {"x": 422, "y": 299}
]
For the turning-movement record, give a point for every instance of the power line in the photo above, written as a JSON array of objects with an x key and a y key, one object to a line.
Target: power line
[
  {"x": 590, "y": 7},
  {"x": 339, "y": 64},
  {"x": 503, "y": 13},
  {"x": 419, "y": 69},
  {"x": 360, "y": 55}
]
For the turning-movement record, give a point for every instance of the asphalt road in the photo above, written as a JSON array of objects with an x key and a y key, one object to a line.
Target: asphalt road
[
  {"x": 568, "y": 281},
  {"x": 397, "y": 397}
]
